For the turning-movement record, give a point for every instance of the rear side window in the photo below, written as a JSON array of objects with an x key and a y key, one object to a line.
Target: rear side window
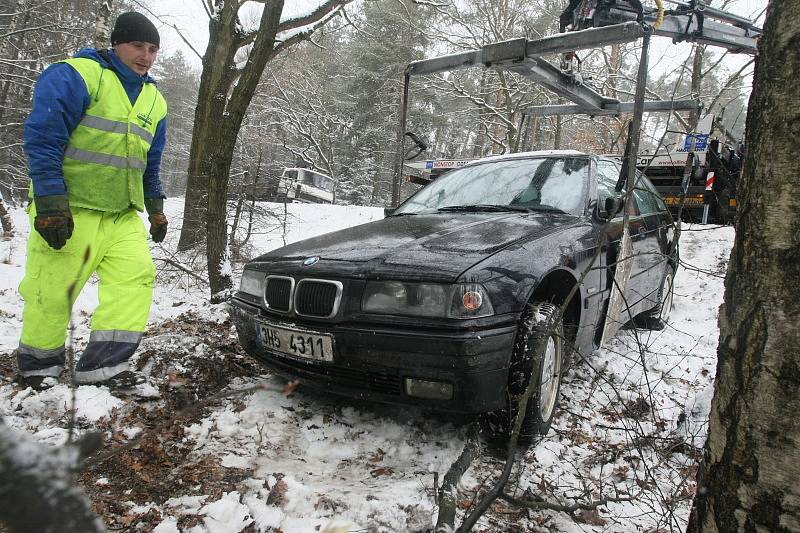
[{"x": 646, "y": 196}]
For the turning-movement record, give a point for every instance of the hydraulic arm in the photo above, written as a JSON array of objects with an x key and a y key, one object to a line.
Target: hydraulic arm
[{"x": 607, "y": 22}]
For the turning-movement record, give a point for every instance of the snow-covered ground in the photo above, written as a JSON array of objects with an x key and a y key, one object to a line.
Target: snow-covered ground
[{"x": 629, "y": 426}]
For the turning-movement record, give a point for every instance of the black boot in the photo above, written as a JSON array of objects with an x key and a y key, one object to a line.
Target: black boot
[
  {"x": 37, "y": 383},
  {"x": 124, "y": 380}
]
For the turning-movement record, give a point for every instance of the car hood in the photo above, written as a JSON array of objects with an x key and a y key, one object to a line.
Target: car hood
[{"x": 436, "y": 247}]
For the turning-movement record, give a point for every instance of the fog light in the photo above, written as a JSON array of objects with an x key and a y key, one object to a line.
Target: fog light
[{"x": 430, "y": 390}]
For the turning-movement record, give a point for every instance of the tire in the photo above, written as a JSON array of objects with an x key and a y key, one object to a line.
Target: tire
[
  {"x": 657, "y": 318},
  {"x": 539, "y": 352}
]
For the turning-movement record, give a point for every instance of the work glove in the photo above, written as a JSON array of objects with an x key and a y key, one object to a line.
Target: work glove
[
  {"x": 158, "y": 222},
  {"x": 53, "y": 219}
]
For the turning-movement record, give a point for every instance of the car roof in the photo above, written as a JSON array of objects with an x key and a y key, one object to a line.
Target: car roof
[{"x": 525, "y": 155}]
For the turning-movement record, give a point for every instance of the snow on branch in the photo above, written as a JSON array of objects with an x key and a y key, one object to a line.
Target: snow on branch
[
  {"x": 298, "y": 28},
  {"x": 322, "y": 13},
  {"x": 283, "y": 41}
]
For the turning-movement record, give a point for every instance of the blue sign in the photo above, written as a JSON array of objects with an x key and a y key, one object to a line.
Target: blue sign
[
  {"x": 700, "y": 141},
  {"x": 428, "y": 164}
]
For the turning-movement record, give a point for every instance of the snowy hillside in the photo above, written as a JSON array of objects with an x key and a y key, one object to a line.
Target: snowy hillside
[{"x": 221, "y": 448}]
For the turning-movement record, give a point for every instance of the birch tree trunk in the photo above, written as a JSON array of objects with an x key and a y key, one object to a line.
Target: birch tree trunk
[
  {"x": 102, "y": 31},
  {"x": 749, "y": 479},
  {"x": 614, "y": 64}
]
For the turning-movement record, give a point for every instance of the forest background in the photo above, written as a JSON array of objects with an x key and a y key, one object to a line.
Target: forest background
[{"x": 331, "y": 101}]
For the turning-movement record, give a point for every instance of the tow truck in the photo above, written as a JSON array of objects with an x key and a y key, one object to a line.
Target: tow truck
[{"x": 710, "y": 194}]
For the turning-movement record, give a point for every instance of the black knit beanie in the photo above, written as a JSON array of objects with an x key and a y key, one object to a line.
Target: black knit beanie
[{"x": 133, "y": 26}]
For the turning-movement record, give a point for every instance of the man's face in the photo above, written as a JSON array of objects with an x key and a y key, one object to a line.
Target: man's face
[{"x": 139, "y": 56}]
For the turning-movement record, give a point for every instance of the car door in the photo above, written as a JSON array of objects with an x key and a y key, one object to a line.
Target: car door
[
  {"x": 659, "y": 232},
  {"x": 607, "y": 177}
]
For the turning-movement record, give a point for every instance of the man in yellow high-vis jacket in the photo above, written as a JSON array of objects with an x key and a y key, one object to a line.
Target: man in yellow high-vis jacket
[{"x": 94, "y": 141}]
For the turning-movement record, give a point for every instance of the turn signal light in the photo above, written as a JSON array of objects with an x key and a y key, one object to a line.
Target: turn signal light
[{"x": 472, "y": 300}]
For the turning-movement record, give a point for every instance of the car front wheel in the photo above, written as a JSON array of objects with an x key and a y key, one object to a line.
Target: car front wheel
[
  {"x": 539, "y": 355},
  {"x": 658, "y": 317}
]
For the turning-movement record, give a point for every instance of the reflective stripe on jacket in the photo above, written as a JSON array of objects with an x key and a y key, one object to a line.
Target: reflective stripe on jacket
[{"x": 106, "y": 154}]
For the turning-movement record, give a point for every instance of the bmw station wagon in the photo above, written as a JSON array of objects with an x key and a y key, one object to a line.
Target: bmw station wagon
[{"x": 452, "y": 301}]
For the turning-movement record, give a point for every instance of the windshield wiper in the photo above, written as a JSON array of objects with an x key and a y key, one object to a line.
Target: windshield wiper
[
  {"x": 546, "y": 209},
  {"x": 475, "y": 208}
]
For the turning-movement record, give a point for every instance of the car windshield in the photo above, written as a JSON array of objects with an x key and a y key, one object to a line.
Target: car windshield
[{"x": 531, "y": 184}]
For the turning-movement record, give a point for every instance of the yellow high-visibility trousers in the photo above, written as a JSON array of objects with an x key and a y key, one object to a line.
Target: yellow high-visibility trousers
[{"x": 114, "y": 245}]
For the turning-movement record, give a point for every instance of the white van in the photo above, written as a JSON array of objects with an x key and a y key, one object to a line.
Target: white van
[{"x": 305, "y": 185}]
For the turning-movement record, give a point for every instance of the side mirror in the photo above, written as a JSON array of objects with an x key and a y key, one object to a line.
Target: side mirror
[
  {"x": 419, "y": 145},
  {"x": 611, "y": 206},
  {"x": 387, "y": 211}
]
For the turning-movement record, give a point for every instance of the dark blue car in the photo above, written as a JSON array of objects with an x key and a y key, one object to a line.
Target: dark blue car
[{"x": 453, "y": 301}]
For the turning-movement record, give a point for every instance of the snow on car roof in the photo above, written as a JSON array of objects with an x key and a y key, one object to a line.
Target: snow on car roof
[
  {"x": 440, "y": 165},
  {"x": 537, "y": 153}
]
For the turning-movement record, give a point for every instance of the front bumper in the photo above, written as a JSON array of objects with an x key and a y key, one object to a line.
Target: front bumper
[{"x": 373, "y": 363}]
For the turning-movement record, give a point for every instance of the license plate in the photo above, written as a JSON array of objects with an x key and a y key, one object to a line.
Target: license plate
[{"x": 295, "y": 342}]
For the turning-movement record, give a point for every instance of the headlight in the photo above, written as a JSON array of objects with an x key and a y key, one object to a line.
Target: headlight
[
  {"x": 465, "y": 300},
  {"x": 252, "y": 282}
]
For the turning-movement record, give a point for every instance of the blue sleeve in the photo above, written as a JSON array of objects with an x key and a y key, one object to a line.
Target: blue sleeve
[
  {"x": 152, "y": 179},
  {"x": 60, "y": 99}
]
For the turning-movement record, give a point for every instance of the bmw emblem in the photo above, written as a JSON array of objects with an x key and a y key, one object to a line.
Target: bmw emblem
[{"x": 308, "y": 261}]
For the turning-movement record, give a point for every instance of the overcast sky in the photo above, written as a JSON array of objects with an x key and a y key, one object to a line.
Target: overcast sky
[{"x": 190, "y": 18}]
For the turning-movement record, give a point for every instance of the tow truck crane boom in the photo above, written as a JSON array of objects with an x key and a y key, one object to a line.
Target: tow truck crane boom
[
  {"x": 609, "y": 23},
  {"x": 696, "y": 23}
]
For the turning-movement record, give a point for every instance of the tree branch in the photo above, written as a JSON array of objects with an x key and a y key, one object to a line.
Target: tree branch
[
  {"x": 736, "y": 76},
  {"x": 179, "y": 266},
  {"x": 174, "y": 26},
  {"x": 447, "y": 493},
  {"x": 318, "y": 14},
  {"x": 541, "y": 504}
]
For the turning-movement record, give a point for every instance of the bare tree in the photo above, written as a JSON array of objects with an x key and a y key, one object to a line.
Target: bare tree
[
  {"x": 232, "y": 67},
  {"x": 5, "y": 220},
  {"x": 748, "y": 481},
  {"x": 33, "y": 33}
]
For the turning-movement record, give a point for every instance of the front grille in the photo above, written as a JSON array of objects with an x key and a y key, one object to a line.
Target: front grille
[
  {"x": 317, "y": 298},
  {"x": 278, "y": 293},
  {"x": 342, "y": 376}
]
